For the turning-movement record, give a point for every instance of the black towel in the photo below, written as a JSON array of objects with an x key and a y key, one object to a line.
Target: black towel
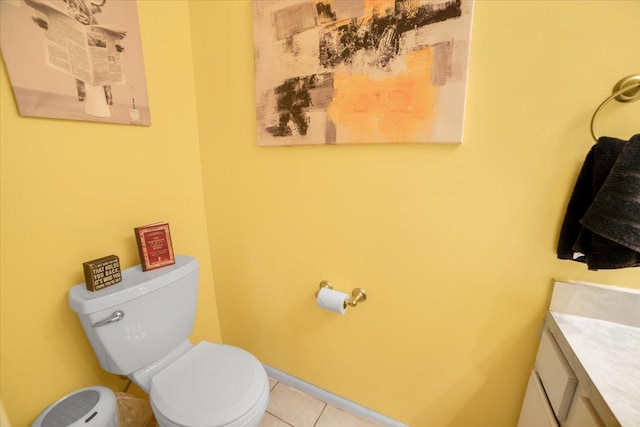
[
  {"x": 581, "y": 243},
  {"x": 615, "y": 212}
]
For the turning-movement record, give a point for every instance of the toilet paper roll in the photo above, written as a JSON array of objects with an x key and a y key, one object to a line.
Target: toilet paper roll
[{"x": 332, "y": 300}]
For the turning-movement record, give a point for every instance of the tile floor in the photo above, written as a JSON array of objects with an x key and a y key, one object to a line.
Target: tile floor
[{"x": 289, "y": 407}]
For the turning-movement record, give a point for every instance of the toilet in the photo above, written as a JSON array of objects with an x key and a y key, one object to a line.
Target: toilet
[{"x": 140, "y": 327}]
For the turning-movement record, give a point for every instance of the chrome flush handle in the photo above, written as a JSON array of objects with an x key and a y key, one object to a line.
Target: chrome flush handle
[{"x": 116, "y": 316}]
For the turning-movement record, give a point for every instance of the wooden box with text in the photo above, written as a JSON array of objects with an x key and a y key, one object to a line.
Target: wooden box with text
[{"x": 102, "y": 272}]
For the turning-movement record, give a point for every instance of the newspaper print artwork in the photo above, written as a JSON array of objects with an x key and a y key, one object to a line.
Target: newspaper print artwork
[
  {"x": 75, "y": 59},
  {"x": 361, "y": 71}
]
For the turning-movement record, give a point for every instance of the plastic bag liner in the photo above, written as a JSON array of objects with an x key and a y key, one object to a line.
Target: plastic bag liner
[{"x": 133, "y": 411}]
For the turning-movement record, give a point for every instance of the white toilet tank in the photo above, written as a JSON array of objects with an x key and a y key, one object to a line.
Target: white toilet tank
[{"x": 156, "y": 311}]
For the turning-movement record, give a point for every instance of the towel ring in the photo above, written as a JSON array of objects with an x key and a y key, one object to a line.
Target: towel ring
[{"x": 626, "y": 90}]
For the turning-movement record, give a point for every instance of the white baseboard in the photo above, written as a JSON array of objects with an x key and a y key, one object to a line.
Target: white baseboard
[{"x": 331, "y": 398}]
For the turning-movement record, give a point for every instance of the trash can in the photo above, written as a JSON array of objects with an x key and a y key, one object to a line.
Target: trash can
[{"x": 91, "y": 407}]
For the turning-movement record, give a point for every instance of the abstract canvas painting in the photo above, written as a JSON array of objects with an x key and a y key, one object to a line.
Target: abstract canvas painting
[
  {"x": 75, "y": 59},
  {"x": 361, "y": 71}
]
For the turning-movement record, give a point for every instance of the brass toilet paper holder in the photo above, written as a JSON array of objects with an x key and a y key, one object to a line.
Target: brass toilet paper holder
[{"x": 358, "y": 295}]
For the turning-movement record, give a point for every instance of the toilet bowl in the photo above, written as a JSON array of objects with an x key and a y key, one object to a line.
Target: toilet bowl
[
  {"x": 211, "y": 385},
  {"x": 140, "y": 328}
]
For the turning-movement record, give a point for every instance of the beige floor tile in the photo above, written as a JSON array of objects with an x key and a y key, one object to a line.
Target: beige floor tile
[
  {"x": 332, "y": 417},
  {"x": 294, "y": 407},
  {"x": 272, "y": 383},
  {"x": 270, "y": 421}
]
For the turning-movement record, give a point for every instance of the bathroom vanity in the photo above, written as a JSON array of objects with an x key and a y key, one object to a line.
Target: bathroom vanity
[{"x": 587, "y": 368}]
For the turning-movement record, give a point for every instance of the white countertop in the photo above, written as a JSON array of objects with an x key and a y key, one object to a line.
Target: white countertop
[
  {"x": 609, "y": 355},
  {"x": 598, "y": 330}
]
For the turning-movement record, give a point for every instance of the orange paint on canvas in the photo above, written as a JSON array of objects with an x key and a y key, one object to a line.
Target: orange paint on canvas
[
  {"x": 399, "y": 108},
  {"x": 381, "y": 5}
]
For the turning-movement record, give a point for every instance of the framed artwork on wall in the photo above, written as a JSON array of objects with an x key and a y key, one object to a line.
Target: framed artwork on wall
[
  {"x": 361, "y": 71},
  {"x": 75, "y": 59}
]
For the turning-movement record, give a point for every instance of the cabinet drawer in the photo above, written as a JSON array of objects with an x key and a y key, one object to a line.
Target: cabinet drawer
[
  {"x": 582, "y": 412},
  {"x": 557, "y": 377},
  {"x": 536, "y": 411}
]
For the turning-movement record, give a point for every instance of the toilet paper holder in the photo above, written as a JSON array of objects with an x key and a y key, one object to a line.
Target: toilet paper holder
[{"x": 358, "y": 295}]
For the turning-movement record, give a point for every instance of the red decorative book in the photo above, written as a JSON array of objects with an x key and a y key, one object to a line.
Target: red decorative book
[{"x": 154, "y": 245}]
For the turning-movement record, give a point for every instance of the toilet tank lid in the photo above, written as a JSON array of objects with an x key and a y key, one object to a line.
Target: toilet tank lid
[{"x": 135, "y": 283}]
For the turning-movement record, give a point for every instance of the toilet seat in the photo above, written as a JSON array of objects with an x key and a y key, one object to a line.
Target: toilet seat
[{"x": 211, "y": 385}]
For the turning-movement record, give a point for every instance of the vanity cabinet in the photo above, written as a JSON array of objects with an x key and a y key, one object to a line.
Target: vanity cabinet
[
  {"x": 554, "y": 397},
  {"x": 536, "y": 410},
  {"x": 587, "y": 368}
]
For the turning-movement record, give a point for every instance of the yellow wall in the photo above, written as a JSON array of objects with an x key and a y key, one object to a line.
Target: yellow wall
[
  {"x": 73, "y": 191},
  {"x": 4, "y": 421},
  {"x": 454, "y": 244}
]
